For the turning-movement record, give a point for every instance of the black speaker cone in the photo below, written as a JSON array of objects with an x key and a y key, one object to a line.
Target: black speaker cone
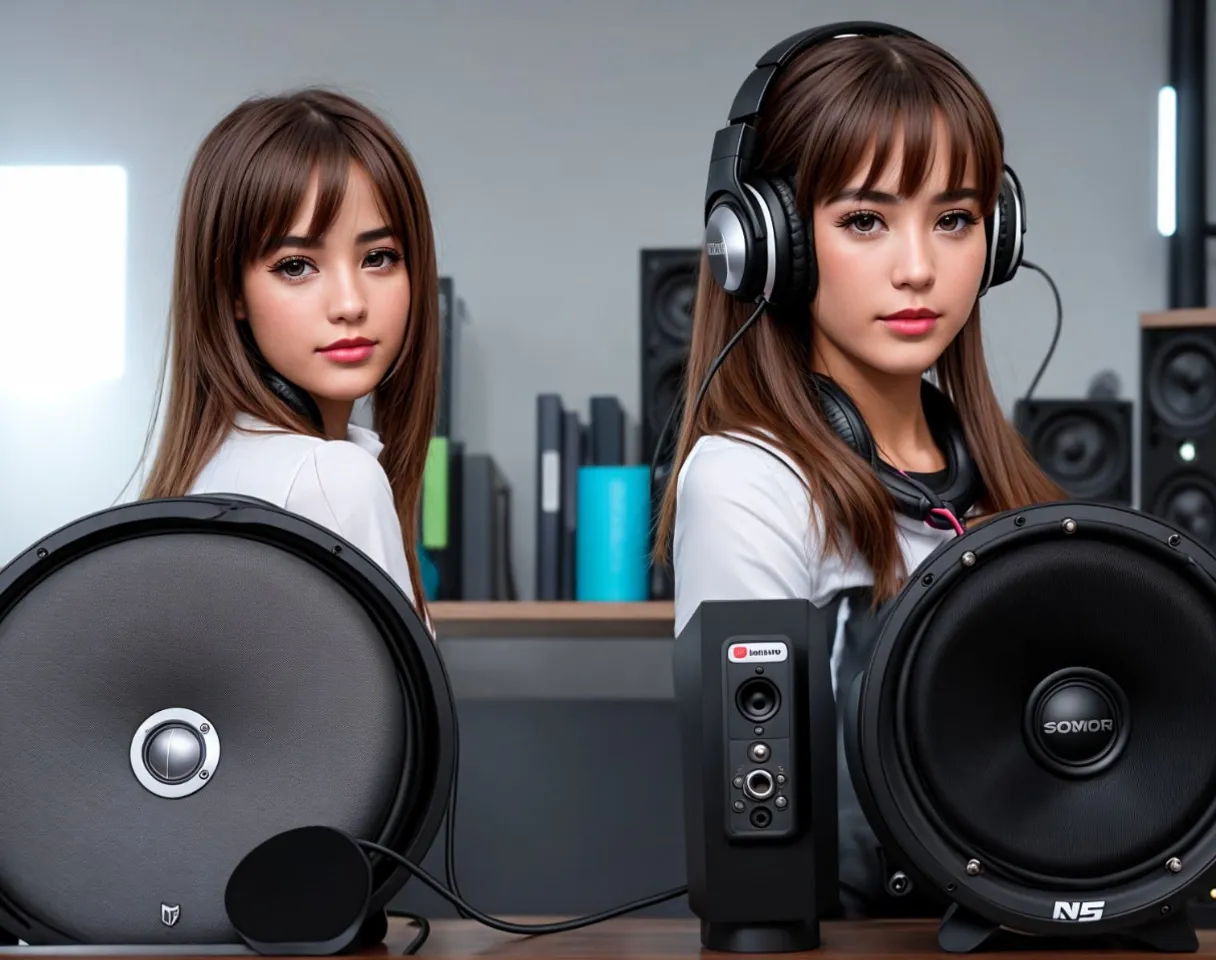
[
  {"x": 179, "y": 681},
  {"x": 1182, "y": 383},
  {"x": 1082, "y": 452},
  {"x": 1036, "y": 717}
]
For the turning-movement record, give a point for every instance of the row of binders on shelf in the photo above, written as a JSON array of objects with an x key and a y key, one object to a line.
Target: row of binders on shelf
[{"x": 592, "y": 506}]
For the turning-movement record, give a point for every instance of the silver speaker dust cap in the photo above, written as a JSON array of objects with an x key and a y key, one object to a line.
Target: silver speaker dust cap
[{"x": 175, "y": 752}]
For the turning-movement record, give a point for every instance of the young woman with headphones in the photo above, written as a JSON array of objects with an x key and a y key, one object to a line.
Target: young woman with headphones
[
  {"x": 305, "y": 279},
  {"x": 858, "y": 207}
]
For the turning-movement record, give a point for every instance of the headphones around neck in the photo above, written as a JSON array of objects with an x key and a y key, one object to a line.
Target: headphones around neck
[
  {"x": 755, "y": 239},
  {"x": 963, "y": 485},
  {"x": 297, "y": 399},
  {"x": 760, "y": 250}
]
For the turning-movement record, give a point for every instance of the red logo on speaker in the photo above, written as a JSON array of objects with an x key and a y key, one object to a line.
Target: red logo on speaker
[{"x": 757, "y": 652}]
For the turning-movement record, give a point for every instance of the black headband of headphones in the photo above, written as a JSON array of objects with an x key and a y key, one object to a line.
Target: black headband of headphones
[{"x": 734, "y": 148}]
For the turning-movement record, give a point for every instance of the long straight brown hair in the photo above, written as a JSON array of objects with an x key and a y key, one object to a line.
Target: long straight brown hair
[
  {"x": 827, "y": 110},
  {"x": 245, "y": 186}
]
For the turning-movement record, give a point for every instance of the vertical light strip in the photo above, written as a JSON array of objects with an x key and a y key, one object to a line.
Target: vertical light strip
[{"x": 1167, "y": 161}]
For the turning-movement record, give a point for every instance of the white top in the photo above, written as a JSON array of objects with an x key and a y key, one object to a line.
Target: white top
[
  {"x": 743, "y": 532},
  {"x": 336, "y": 483}
]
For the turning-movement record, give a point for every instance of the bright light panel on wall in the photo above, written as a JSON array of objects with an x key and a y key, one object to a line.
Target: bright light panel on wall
[
  {"x": 1167, "y": 160},
  {"x": 63, "y": 277}
]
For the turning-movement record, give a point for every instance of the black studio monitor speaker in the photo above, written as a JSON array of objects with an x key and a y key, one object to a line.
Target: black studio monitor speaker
[
  {"x": 668, "y": 289},
  {"x": 1084, "y": 445},
  {"x": 181, "y": 681},
  {"x": 1178, "y": 419},
  {"x": 1031, "y": 738},
  {"x": 758, "y": 737}
]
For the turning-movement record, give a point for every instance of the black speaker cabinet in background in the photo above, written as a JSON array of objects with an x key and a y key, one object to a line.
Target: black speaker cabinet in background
[
  {"x": 1083, "y": 445},
  {"x": 1178, "y": 419},
  {"x": 757, "y": 721},
  {"x": 668, "y": 288}
]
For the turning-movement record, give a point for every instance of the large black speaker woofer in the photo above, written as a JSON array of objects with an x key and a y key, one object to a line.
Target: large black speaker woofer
[
  {"x": 1033, "y": 734},
  {"x": 182, "y": 679}
]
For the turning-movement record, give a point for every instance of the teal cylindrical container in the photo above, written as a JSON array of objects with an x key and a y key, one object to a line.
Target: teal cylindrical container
[{"x": 613, "y": 533}]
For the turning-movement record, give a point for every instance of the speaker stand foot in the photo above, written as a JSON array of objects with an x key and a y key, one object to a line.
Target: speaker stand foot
[
  {"x": 961, "y": 931},
  {"x": 1174, "y": 933},
  {"x": 371, "y": 934},
  {"x": 760, "y": 937}
]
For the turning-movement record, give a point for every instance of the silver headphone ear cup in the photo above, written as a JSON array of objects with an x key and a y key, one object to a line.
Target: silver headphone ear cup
[{"x": 726, "y": 247}]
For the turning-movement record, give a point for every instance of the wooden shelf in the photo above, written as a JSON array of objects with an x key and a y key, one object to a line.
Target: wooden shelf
[{"x": 561, "y": 618}]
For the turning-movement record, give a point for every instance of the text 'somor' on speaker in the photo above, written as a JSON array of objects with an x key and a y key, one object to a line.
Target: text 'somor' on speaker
[
  {"x": 181, "y": 680},
  {"x": 1032, "y": 735},
  {"x": 757, "y": 721},
  {"x": 1084, "y": 445}
]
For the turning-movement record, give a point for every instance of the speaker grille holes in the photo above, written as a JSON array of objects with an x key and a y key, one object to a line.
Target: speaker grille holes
[{"x": 758, "y": 699}]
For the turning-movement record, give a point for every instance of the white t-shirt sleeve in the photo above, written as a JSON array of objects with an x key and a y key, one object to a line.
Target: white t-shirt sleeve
[
  {"x": 344, "y": 488},
  {"x": 741, "y": 531}
]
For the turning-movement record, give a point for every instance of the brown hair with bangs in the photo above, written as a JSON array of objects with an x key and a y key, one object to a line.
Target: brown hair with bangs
[
  {"x": 831, "y": 108},
  {"x": 245, "y": 186}
]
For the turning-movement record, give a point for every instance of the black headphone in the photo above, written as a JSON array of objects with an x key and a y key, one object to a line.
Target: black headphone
[
  {"x": 963, "y": 486},
  {"x": 756, "y": 241},
  {"x": 297, "y": 399}
]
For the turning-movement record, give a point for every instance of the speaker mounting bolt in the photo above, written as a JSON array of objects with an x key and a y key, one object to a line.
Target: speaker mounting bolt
[
  {"x": 1174, "y": 540},
  {"x": 1173, "y": 865},
  {"x": 974, "y": 868},
  {"x": 1069, "y": 525},
  {"x": 968, "y": 559}
]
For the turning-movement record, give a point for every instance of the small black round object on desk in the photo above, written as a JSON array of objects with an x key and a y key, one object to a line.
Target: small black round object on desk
[{"x": 304, "y": 892}]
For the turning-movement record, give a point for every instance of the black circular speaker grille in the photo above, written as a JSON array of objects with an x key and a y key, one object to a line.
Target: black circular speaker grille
[
  {"x": 1082, "y": 451},
  {"x": 1034, "y": 726},
  {"x": 316, "y": 720},
  {"x": 1182, "y": 382},
  {"x": 1020, "y": 618}
]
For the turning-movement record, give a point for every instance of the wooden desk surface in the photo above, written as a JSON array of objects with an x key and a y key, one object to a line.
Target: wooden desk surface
[{"x": 665, "y": 939}]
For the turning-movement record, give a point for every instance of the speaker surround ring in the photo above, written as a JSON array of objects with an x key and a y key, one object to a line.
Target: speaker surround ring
[
  {"x": 418, "y": 779},
  {"x": 889, "y": 789}
]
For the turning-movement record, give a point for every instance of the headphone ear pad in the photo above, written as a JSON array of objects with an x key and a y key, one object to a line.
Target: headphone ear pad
[
  {"x": 1004, "y": 230},
  {"x": 304, "y": 892},
  {"x": 844, "y": 418},
  {"x": 795, "y": 230}
]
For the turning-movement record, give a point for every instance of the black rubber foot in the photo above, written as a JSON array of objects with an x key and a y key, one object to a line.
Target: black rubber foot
[
  {"x": 961, "y": 931},
  {"x": 371, "y": 934},
  {"x": 1174, "y": 933},
  {"x": 760, "y": 937}
]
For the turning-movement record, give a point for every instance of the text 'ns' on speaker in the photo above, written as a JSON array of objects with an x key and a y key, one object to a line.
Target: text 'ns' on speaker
[
  {"x": 1032, "y": 734},
  {"x": 183, "y": 679},
  {"x": 758, "y": 738},
  {"x": 1178, "y": 419},
  {"x": 668, "y": 289},
  {"x": 1084, "y": 445}
]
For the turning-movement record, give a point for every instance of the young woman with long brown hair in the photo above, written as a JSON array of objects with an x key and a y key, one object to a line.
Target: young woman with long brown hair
[
  {"x": 304, "y": 280},
  {"x": 858, "y": 207}
]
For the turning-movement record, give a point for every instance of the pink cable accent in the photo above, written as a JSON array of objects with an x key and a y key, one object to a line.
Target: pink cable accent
[{"x": 958, "y": 527}]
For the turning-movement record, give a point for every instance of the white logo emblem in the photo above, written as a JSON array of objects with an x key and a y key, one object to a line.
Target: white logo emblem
[
  {"x": 1082, "y": 911},
  {"x": 169, "y": 914}
]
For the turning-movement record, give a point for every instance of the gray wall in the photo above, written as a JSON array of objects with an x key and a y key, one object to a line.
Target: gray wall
[{"x": 556, "y": 138}]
